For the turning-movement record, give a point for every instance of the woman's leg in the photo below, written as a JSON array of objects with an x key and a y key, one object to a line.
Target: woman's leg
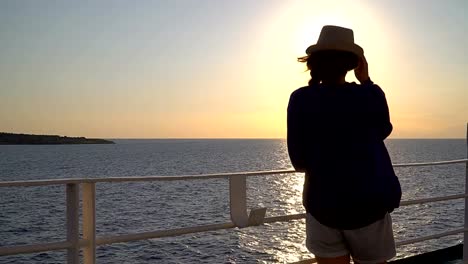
[
  {"x": 327, "y": 244},
  {"x": 337, "y": 260},
  {"x": 373, "y": 243}
]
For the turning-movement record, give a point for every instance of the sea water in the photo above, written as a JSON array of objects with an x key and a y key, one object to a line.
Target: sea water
[{"x": 37, "y": 214}]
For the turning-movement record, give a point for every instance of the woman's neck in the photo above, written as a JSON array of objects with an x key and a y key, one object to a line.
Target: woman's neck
[{"x": 335, "y": 81}]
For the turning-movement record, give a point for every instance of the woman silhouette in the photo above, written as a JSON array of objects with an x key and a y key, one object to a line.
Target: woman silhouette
[{"x": 335, "y": 135}]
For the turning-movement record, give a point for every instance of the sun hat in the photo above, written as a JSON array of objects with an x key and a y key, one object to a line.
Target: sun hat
[{"x": 336, "y": 38}]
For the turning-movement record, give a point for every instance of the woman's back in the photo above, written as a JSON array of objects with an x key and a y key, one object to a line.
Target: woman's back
[{"x": 335, "y": 133}]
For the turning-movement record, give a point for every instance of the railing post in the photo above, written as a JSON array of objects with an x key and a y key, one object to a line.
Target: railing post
[
  {"x": 89, "y": 222},
  {"x": 238, "y": 200},
  {"x": 465, "y": 234},
  {"x": 238, "y": 204},
  {"x": 73, "y": 221}
]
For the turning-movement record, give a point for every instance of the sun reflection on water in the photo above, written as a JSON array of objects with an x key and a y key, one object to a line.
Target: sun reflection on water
[{"x": 281, "y": 194}]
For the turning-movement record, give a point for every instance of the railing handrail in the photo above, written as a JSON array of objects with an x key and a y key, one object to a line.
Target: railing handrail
[{"x": 187, "y": 177}]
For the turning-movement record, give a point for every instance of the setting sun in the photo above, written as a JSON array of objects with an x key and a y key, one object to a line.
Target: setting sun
[{"x": 144, "y": 73}]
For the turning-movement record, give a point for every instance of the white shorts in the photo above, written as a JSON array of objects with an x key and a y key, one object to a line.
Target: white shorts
[{"x": 367, "y": 245}]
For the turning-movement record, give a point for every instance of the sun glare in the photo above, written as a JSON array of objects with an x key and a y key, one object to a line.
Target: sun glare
[{"x": 307, "y": 23}]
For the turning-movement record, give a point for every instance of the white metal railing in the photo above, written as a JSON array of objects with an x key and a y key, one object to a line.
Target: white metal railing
[{"x": 238, "y": 211}]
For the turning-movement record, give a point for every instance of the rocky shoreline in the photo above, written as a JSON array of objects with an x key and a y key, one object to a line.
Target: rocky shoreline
[{"x": 26, "y": 139}]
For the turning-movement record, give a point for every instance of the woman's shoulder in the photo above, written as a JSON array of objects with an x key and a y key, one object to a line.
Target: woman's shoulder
[
  {"x": 306, "y": 91},
  {"x": 300, "y": 91},
  {"x": 368, "y": 89},
  {"x": 299, "y": 97}
]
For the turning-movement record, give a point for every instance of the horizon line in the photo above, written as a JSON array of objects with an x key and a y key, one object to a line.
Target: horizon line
[
  {"x": 207, "y": 138},
  {"x": 252, "y": 138}
]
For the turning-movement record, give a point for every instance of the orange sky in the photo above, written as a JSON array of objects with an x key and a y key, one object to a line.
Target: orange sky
[{"x": 219, "y": 70}]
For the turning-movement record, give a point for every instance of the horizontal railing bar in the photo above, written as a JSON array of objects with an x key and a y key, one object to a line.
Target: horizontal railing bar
[
  {"x": 40, "y": 182},
  {"x": 192, "y": 177},
  {"x": 434, "y": 163},
  {"x": 284, "y": 218},
  {"x": 162, "y": 233},
  {"x": 15, "y": 250},
  {"x": 433, "y": 199},
  {"x": 140, "y": 178},
  {"x": 198, "y": 229},
  {"x": 429, "y": 237},
  {"x": 186, "y": 177}
]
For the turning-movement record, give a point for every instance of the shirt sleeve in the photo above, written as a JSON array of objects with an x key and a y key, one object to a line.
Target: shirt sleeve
[
  {"x": 380, "y": 117},
  {"x": 295, "y": 134}
]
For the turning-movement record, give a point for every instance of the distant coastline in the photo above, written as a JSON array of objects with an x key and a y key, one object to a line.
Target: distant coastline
[{"x": 27, "y": 139}]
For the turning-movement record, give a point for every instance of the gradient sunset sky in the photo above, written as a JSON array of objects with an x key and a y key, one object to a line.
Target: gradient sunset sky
[{"x": 219, "y": 68}]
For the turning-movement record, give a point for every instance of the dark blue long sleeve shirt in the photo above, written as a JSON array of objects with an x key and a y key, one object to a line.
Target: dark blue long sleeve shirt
[{"x": 335, "y": 135}]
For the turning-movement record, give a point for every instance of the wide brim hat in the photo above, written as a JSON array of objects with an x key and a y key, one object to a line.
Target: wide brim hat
[{"x": 336, "y": 38}]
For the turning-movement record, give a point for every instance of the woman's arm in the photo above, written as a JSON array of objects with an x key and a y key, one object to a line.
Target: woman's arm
[
  {"x": 379, "y": 108},
  {"x": 295, "y": 134},
  {"x": 380, "y": 114}
]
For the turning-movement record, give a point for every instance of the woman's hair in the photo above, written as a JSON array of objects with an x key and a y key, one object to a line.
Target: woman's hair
[{"x": 329, "y": 64}]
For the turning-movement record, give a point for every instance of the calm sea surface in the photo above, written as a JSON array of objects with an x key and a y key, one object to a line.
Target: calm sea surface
[{"x": 37, "y": 214}]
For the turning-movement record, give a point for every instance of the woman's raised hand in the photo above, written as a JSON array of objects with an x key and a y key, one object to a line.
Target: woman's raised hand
[{"x": 361, "y": 71}]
